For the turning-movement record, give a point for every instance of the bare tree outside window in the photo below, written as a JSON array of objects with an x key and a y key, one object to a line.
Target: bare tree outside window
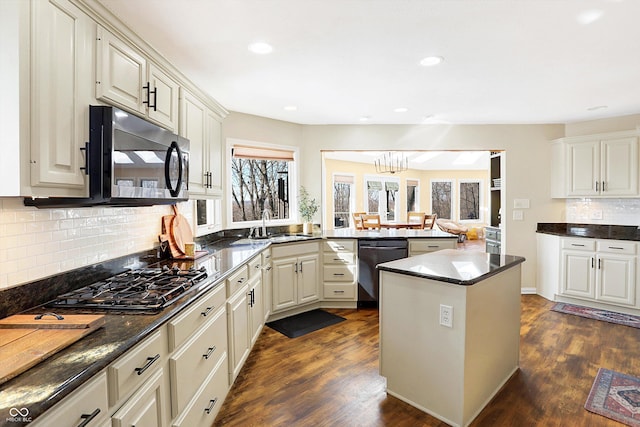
[
  {"x": 373, "y": 201},
  {"x": 259, "y": 184},
  {"x": 469, "y": 201},
  {"x": 412, "y": 194},
  {"x": 441, "y": 198},
  {"x": 341, "y": 204}
]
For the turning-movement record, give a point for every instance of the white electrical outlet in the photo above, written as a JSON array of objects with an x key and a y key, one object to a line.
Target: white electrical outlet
[{"x": 446, "y": 315}]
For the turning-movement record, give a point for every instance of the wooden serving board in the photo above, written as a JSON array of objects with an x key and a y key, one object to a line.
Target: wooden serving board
[
  {"x": 71, "y": 321},
  {"x": 22, "y": 348}
]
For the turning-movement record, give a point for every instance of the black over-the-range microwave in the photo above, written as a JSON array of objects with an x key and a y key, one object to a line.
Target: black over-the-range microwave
[{"x": 130, "y": 162}]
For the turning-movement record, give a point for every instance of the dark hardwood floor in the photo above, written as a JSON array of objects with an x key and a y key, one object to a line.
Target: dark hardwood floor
[{"x": 330, "y": 377}]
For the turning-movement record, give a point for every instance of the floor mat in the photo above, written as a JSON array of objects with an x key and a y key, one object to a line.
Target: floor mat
[
  {"x": 303, "y": 323},
  {"x": 616, "y": 396},
  {"x": 595, "y": 313}
]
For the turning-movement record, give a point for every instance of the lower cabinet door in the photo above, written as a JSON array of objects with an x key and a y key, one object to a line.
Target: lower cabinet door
[
  {"x": 616, "y": 279},
  {"x": 203, "y": 408},
  {"x": 147, "y": 407}
]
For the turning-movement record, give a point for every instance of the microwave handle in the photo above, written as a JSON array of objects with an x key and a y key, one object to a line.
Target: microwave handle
[{"x": 174, "y": 191}]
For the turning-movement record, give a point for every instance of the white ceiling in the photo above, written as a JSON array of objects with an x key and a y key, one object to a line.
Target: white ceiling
[{"x": 505, "y": 61}]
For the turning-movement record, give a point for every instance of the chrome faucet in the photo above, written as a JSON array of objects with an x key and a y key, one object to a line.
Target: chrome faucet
[{"x": 266, "y": 216}]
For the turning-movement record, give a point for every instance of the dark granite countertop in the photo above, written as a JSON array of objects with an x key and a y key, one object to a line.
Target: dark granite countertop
[
  {"x": 453, "y": 266},
  {"x": 43, "y": 385},
  {"x": 594, "y": 231},
  {"x": 392, "y": 233}
]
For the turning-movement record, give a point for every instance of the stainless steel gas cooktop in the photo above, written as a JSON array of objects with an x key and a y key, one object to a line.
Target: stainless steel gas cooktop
[{"x": 140, "y": 290}]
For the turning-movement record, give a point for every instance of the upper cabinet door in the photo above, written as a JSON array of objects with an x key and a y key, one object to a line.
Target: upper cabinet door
[
  {"x": 192, "y": 126},
  {"x": 62, "y": 58},
  {"x": 121, "y": 73},
  {"x": 214, "y": 145},
  {"x": 163, "y": 102},
  {"x": 619, "y": 170},
  {"x": 583, "y": 168}
]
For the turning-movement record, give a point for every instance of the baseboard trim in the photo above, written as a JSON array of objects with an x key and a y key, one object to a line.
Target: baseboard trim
[{"x": 528, "y": 291}]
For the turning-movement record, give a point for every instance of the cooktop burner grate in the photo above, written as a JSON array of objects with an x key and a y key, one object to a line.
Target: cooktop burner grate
[{"x": 149, "y": 289}]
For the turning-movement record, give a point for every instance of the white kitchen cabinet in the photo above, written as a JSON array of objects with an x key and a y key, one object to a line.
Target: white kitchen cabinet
[
  {"x": 87, "y": 404},
  {"x": 256, "y": 306},
  {"x": 126, "y": 78},
  {"x": 604, "y": 165},
  {"x": 147, "y": 407},
  {"x": 599, "y": 270},
  {"x": 267, "y": 287},
  {"x": 340, "y": 270},
  {"x": 238, "y": 331},
  {"x": 296, "y": 275},
  {"x": 423, "y": 246},
  {"x": 202, "y": 127},
  {"x": 62, "y": 58}
]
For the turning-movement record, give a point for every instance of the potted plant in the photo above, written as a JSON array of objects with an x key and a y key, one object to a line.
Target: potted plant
[{"x": 308, "y": 208}]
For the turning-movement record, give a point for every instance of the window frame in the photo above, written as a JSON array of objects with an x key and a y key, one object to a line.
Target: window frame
[
  {"x": 406, "y": 188},
  {"x": 293, "y": 173},
  {"x": 383, "y": 180},
  {"x": 453, "y": 194},
  {"x": 352, "y": 197},
  {"x": 481, "y": 191}
]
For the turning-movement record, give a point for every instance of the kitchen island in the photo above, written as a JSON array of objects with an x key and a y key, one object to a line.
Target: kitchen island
[{"x": 449, "y": 330}]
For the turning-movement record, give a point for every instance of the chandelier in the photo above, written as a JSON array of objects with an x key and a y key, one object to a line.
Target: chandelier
[{"x": 391, "y": 162}]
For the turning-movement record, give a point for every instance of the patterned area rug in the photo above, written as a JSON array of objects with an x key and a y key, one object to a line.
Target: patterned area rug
[
  {"x": 594, "y": 313},
  {"x": 616, "y": 396}
]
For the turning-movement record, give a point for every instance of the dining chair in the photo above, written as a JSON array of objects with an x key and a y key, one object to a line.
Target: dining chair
[
  {"x": 429, "y": 221},
  {"x": 371, "y": 222},
  {"x": 357, "y": 220},
  {"x": 415, "y": 218}
]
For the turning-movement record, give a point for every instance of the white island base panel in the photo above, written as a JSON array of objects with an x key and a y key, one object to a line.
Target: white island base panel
[{"x": 449, "y": 373}]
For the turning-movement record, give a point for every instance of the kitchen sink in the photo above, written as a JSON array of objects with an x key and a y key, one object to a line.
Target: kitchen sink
[{"x": 275, "y": 238}]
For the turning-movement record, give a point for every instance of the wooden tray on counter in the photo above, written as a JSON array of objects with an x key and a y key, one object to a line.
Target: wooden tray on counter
[{"x": 26, "y": 341}]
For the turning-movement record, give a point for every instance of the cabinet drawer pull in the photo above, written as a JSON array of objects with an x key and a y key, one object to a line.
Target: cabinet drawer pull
[
  {"x": 338, "y": 292},
  {"x": 616, "y": 247},
  {"x": 592, "y": 265},
  {"x": 210, "y": 350},
  {"x": 88, "y": 417},
  {"x": 207, "y": 311},
  {"x": 340, "y": 248},
  {"x": 85, "y": 168},
  {"x": 599, "y": 264},
  {"x": 338, "y": 259},
  {"x": 212, "y": 403},
  {"x": 150, "y": 361},
  {"x": 269, "y": 268},
  {"x": 576, "y": 244},
  {"x": 338, "y": 274},
  {"x": 433, "y": 246}
]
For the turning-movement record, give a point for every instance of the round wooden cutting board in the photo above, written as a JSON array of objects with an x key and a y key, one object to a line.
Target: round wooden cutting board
[{"x": 181, "y": 231}]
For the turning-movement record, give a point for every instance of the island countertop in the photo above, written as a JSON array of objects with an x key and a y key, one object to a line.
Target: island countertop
[
  {"x": 391, "y": 233},
  {"x": 453, "y": 266}
]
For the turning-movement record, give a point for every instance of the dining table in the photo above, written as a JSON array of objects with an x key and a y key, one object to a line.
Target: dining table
[{"x": 401, "y": 224}]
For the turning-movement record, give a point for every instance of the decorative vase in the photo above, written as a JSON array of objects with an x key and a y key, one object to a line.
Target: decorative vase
[{"x": 307, "y": 228}]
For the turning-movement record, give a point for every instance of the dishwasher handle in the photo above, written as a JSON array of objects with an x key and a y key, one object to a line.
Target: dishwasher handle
[{"x": 384, "y": 248}]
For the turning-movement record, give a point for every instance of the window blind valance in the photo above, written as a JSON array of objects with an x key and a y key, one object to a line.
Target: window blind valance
[
  {"x": 374, "y": 185},
  {"x": 412, "y": 183},
  {"x": 261, "y": 153},
  {"x": 392, "y": 186},
  {"x": 343, "y": 179}
]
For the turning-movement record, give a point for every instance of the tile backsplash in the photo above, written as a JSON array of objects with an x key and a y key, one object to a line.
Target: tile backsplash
[
  {"x": 36, "y": 243},
  {"x": 603, "y": 211}
]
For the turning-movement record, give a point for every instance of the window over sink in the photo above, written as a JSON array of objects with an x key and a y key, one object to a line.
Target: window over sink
[{"x": 261, "y": 178}]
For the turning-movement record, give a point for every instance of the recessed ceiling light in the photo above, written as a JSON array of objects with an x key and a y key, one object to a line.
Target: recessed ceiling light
[
  {"x": 291, "y": 108},
  {"x": 597, "y": 107},
  {"x": 365, "y": 118},
  {"x": 430, "y": 61},
  {"x": 261, "y": 48},
  {"x": 401, "y": 110}
]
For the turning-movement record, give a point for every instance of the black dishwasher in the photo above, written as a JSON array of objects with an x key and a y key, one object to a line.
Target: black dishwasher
[{"x": 370, "y": 254}]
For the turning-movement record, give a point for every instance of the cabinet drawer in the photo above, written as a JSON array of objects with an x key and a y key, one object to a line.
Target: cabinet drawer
[
  {"x": 431, "y": 245},
  {"x": 339, "y": 273},
  {"x": 182, "y": 326},
  {"x": 339, "y": 291},
  {"x": 206, "y": 404},
  {"x": 255, "y": 266},
  {"x": 237, "y": 280},
  {"x": 340, "y": 245},
  {"x": 90, "y": 400},
  {"x": 196, "y": 359},
  {"x": 492, "y": 234},
  {"x": 579, "y": 244},
  {"x": 339, "y": 258},
  {"x": 616, "y": 247},
  {"x": 131, "y": 370}
]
